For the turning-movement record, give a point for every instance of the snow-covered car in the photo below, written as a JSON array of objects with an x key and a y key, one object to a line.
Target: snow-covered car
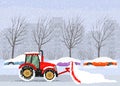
[
  {"x": 65, "y": 61},
  {"x": 15, "y": 61},
  {"x": 101, "y": 61}
]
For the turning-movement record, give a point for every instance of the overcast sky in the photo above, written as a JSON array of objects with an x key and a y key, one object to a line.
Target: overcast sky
[{"x": 89, "y": 10}]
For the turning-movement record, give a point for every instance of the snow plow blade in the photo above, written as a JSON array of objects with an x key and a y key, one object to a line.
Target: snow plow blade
[{"x": 72, "y": 74}]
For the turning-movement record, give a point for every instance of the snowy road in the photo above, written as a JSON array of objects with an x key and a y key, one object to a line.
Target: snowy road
[
  {"x": 64, "y": 80},
  {"x": 9, "y": 77}
]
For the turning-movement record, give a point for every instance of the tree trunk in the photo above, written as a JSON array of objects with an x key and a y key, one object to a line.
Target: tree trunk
[
  {"x": 99, "y": 51},
  {"x": 70, "y": 52},
  {"x": 13, "y": 48}
]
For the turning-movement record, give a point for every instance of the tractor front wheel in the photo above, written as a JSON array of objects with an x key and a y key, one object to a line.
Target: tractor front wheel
[
  {"x": 26, "y": 73},
  {"x": 49, "y": 75}
]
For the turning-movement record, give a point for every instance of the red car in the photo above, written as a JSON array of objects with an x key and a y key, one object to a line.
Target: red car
[{"x": 101, "y": 61}]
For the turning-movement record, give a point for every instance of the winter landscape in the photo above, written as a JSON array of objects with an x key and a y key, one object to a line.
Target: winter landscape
[
  {"x": 80, "y": 35},
  {"x": 95, "y": 76}
]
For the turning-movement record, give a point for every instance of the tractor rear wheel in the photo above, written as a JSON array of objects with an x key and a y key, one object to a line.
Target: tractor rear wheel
[
  {"x": 49, "y": 75},
  {"x": 26, "y": 73}
]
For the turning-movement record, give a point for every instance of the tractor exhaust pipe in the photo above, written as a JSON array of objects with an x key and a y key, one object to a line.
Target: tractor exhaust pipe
[{"x": 42, "y": 57}]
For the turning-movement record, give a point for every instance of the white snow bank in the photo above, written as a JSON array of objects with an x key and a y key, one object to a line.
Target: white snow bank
[
  {"x": 65, "y": 59},
  {"x": 86, "y": 77},
  {"x": 102, "y": 59}
]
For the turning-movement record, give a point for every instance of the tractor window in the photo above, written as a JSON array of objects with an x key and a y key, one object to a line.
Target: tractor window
[
  {"x": 35, "y": 61},
  {"x": 28, "y": 59}
]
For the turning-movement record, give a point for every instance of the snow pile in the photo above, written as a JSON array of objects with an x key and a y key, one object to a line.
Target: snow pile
[
  {"x": 102, "y": 59},
  {"x": 86, "y": 77},
  {"x": 17, "y": 59},
  {"x": 65, "y": 61},
  {"x": 68, "y": 59}
]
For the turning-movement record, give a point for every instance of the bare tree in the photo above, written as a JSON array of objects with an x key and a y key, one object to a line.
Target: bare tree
[
  {"x": 101, "y": 32},
  {"x": 16, "y": 32},
  {"x": 42, "y": 33},
  {"x": 73, "y": 31}
]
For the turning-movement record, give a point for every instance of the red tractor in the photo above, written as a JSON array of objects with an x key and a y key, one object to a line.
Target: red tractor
[{"x": 34, "y": 66}]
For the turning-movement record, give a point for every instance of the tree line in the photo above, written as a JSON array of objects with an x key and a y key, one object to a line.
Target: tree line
[{"x": 73, "y": 31}]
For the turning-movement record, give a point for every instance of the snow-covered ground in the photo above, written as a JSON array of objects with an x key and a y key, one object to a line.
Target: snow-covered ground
[
  {"x": 84, "y": 70},
  {"x": 63, "y": 80},
  {"x": 13, "y": 69},
  {"x": 86, "y": 77}
]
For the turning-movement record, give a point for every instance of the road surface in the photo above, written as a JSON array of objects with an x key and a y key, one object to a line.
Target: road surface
[{"x": 63, "y": 80}]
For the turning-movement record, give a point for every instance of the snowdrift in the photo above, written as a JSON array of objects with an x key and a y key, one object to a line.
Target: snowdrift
[
  {"x": 17, "y": 60},
  {"x": 102, "y": 59},
  {"x": 86, "y": 77}
]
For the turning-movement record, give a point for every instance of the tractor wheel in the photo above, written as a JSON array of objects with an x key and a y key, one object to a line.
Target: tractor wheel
[
  {"x": 26, "y": 73},
  {"x": 49, "y": 75}
]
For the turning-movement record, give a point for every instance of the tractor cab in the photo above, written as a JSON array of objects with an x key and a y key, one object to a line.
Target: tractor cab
[{"x": 32, "y": 57}]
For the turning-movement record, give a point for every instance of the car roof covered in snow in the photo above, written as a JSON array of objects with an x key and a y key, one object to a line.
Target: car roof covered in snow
[
  {"x": 18, "y": 58},
  {"x": 68, "y": 59},
  {"x": 65, "y": 59},
  {"x": 102, "y": 59}
]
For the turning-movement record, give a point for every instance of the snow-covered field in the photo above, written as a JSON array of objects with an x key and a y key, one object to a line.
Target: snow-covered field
[
  {"x": 106, "y": 73},
  {"x": 13, "y": 69}
]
